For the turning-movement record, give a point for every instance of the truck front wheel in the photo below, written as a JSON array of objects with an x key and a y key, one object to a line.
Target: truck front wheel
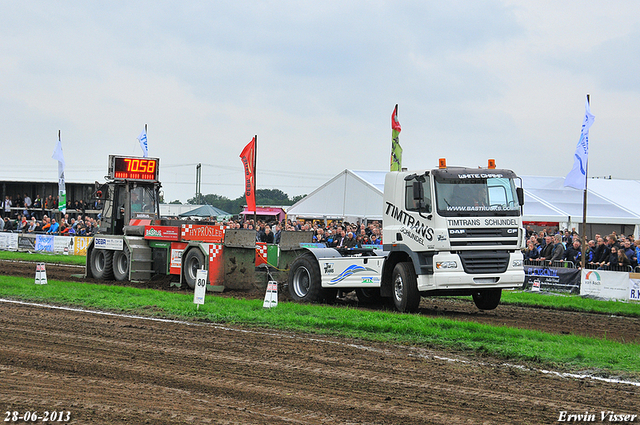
[
  {"x": 487, "y": 299},
  {"x": 406, "y": 297},
  {"x": 121, "y": 264},
  {"x": 102, "y": 264},
  {"x": 304, "y": 280},
  {"x": 193, "y": 262}
]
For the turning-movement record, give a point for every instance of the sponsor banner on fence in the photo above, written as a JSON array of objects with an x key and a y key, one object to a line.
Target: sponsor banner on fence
[
  {"x": 44, "y": 243},
  {"x": 552, "y": 278},
  {"x": 634, "y": 289},
  {"x": 605, "y": 284},
  {"x": 27, "y": 243},
  {"x": 81, "y": 243},
  {"x": 9, "y": 241},
  {"x": 62, "y": 244}
]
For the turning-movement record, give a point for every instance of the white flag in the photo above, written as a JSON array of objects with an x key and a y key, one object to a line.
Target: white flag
[
  {"x": 62, "y": 192},
  {"x": 577, "y": 177},
  {"x": 142, "y": 138}
]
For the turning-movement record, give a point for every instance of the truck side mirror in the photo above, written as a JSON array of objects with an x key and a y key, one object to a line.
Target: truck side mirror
[{"x": 520, "y": 192}]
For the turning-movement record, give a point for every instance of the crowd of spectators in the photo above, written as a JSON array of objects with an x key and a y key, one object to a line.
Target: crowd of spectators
[
  {"x": 39, "y": 207},
  {"x": 335, "y": 234},
  {"x": 611, "y": 252},
  {"x": 67, "y": 226}
]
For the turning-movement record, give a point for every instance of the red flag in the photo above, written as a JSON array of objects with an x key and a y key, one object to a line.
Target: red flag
[{"x": 248, "y": 159}]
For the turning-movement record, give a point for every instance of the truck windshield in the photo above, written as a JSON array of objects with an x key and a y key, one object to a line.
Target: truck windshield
[{"x": 476, "y": 197}]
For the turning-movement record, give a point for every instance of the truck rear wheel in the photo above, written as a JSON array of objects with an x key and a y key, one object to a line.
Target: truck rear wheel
[
  {"x": 102, "y": 264},
  {"x": 406, "y": 297},
  {"x": 121, "y": 264},
  {"x": 304, "y": 280},
  {"x": 487, "y": 299},
  {"x": 193, "y": 261}
]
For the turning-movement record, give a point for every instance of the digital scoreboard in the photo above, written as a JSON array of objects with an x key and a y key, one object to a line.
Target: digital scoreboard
[{"x": 133, "y": 168}]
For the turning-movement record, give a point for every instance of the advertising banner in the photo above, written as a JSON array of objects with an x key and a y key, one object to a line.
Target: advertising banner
[
  {"x": 81, "y": 243},
  {"x": 108, "y": 243},
  {"x": 44, "y": 243},
  {"x": 27, "y": 243},
  {"x": 163, "y": 233},
  {"x": 175, "y": 266},
  {"x": 605, "y": 284},
  {"x": 552, "y": 278},
  {"x": 62, "y": 244},
  {"x": 202, "y": 233}
]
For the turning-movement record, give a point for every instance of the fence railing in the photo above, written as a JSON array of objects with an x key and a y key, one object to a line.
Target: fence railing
[{"x": 572, "y": 265}]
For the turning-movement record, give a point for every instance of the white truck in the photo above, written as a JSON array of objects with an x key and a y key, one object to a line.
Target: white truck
[{"x": 446, "y": 231}]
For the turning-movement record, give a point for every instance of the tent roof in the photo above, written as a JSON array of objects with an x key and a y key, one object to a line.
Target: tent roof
[
  {"x": 359, "y": 194},
  {"x": 205, "y": 211},
  {"x": 608, "y": 201},
  {"x": 353, "y": 194}
]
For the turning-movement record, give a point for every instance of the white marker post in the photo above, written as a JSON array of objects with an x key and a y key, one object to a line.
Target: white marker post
[
  {"x": 41, "y": 274},
  {"x": 201, "y": 287},
  {"x": 271, "y": 297},
  {"x": 535, "y": 287}
]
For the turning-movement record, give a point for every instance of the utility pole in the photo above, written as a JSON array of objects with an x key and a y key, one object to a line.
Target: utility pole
[{"x": 198, "y": 183}]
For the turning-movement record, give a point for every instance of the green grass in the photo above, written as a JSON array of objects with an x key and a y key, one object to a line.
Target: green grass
[
  {"x": 44, "y": 258},
  {"x": 571, "y": 302},
  {"x": 568, "y": 352}
]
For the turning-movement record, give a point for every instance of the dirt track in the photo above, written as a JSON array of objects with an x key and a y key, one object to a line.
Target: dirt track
[{"x": 110, "y": 369}]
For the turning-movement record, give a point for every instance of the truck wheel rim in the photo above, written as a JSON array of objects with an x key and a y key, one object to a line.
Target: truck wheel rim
[
  {"x": 193, "y": 267},
  {"x": 122, "y": 264},
  {"x": 99, "y": 262},
  {"x": 301, "y": 282},
  {"x": 398, "y": 288}
]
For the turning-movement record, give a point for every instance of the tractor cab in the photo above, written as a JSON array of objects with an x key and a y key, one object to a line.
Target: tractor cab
[{"x": 132, "y": 192}]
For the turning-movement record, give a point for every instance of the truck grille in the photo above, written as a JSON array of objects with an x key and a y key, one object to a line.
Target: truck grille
[
  {"x": 483, "y": 237},
  {"x": 484, "y": 262}
]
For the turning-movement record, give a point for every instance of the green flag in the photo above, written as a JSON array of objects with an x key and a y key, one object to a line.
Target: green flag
[{"x": 396, "y": 150}]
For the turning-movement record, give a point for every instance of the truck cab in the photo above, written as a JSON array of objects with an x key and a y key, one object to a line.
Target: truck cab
[
  {"x": 460, "y": 229},
  {"x": 446, "y": 231}
]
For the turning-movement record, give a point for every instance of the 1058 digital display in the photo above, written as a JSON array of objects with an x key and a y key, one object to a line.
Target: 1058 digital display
[{"x": 131, "y": 168}]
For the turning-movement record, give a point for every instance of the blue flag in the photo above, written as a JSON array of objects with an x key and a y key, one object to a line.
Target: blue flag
[
  {"x": 577, "y": 177},
  {"x": 142, "y": 138}
]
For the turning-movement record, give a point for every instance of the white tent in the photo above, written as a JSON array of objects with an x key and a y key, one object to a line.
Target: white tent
[{"x": 353, "y": 195}]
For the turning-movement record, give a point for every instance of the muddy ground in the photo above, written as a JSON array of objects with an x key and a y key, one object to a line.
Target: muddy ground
[{"x": 107, "y": 369}]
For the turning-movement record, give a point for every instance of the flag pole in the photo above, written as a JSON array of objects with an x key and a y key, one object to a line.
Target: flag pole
[
  {"x": 255, "y": 185},
  {"x": 584, "y": 206}
]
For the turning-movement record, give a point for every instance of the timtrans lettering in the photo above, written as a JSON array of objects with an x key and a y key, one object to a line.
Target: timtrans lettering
[
  {"x": 464, "y": 222},
  {"x": 410, "y": 221}
]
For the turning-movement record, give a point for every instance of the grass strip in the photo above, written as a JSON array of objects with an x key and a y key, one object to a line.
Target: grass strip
[
  {"x": 568, "y": 352},
  {"x": 522, "y": 298},
  {"x": 571, "y": 303},
  {"x": 43, "y": 257}
]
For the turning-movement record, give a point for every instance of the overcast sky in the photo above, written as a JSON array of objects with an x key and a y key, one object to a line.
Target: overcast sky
[{"x": 317, "y": 82}]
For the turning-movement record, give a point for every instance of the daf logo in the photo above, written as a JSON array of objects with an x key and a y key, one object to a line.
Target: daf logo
[
  {"x": 512, "y": 231},
  {"x": 456, "y": 231}
]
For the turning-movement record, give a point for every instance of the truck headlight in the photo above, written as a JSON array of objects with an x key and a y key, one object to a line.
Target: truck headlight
[
  {"x": 516, "y": 263},
  {"x": 446, "y": 265}
]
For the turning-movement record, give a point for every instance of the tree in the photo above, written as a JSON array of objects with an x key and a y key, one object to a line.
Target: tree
[
  {"x": 177, "y": 201},
  {"x": 274, "y": 197}
]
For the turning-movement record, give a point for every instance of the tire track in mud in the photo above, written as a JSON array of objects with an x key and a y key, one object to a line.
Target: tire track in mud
[{"x": 111, "y": 369}]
